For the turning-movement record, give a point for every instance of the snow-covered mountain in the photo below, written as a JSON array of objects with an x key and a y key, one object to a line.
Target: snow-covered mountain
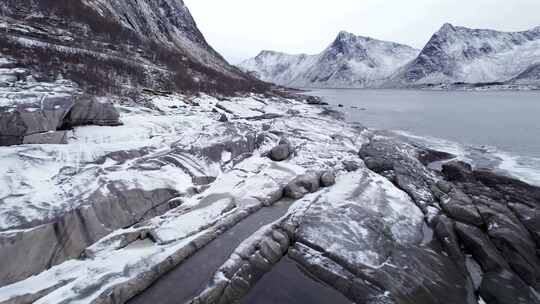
[
  {"x": 459, "y": 54},
  {"x": 116, "y": 45},
  {"x": 349, "y": 61}
]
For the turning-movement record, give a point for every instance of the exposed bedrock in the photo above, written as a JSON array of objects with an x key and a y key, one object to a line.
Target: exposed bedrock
[
  {"x": 473, "y": 212},
  {"x": 39, "y": 247},
  {"x": 64, "y": 234},
  {"x": 362, "y": 236}
]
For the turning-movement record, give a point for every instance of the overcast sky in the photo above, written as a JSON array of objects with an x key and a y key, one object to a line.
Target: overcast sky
[{"x": 239, "y": 29}]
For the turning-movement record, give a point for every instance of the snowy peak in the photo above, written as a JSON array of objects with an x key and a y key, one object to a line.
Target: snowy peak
[
  {"x": 460, "y": 54},
  {"x": 349, "y": 61},
  {"x": 447, "y": 28}
]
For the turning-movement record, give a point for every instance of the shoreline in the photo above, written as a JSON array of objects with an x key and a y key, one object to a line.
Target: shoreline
[{"x": 388, "y": 172}]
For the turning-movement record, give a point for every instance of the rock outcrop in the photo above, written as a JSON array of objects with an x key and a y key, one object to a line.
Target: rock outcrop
[{"x": 473, "y": 212}]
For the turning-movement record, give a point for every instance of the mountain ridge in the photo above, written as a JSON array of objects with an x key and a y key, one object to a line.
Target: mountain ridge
[
  {"x": 454, "y": 54},
  {"x": 117, "y": 46},
  {"x": 335, "y": 66}
]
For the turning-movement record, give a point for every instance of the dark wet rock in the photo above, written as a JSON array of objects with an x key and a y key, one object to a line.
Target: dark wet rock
[
  {"x": 265, "y": 116},
  {"x": 512, "y": 189},
  {"x": 302, "y": 185},
  {"x": 314, "y": 100},
  {"x": 514, "y": 242},
  {"x": 203, "y": 180},
  {"x": 328, "y": 178},
  {"x": 483, "y": 251},
  {"x": 427, "y": 156},
  {"x": 479, "y": 212},
  {"x": 530, "y": 218},
  {"x": 444, "y": 230},
  {"x": 350, "y": 165},
  {"x": 281, "y": 152},
  {"x": 504, "y": 287},
  {"x": 461, "y": 208},
  {"x": 457, "y": 171},
  {"x": 378, "y": 165},
  {"x": 223, "y": 118}
]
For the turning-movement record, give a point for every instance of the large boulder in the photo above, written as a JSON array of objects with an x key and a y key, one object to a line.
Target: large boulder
[
  {"x": 282, "y": 151},
  {"x": 328, "y": 178},
  {"x": 92, "y": 111},
  {"x": 36, "y": 122},
  {"x": 302, "y": 185}
]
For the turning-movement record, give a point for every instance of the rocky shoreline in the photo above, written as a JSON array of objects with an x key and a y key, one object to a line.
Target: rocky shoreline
[{"x": 368, "y": 216}]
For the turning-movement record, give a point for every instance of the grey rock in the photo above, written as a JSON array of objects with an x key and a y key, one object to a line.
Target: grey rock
[
  {"x": 38, "y": 122},
  {"x": 504, "y": 287},
  {"x": 302, "y": 185},
  {"x": 328, "y": 178},
  {"x": 444, "y": 229},
  {"x": 68, "y": 234},
  {"x": 281, "y": 152},
  {"x": 271, "y": 250},
  {"x": 350, "y": 166},
  {"x": 457, "y": 171},
  {"x": 51, "y": 137},
  {"x": 223, "y": 118},
  {"x": 90, "y": 111},
  {"x": 483, "y": 251},
  {"x": 462, "y": 211}
]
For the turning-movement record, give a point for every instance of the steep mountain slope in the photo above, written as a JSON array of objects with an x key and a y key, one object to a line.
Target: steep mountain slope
[
  {"x": 531, "y": 76},
  {"x": 459, "y": 54},
  {"x": 116, "y": 46},
  {"x": 350, "y": 61}
]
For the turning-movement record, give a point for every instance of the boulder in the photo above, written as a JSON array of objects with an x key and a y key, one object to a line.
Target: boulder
[
  {"x": 91, "y": 111},
  {"x": 37, "y": 122},
  {"x": 223, "y": 118},
  {"x": 328, "y": 178},
  {"x": 313, "y": 100},
  {"x": 281, "y": 152},
  {"x": 350, "y": 165},
  {"x": 302, "y": 185}
]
